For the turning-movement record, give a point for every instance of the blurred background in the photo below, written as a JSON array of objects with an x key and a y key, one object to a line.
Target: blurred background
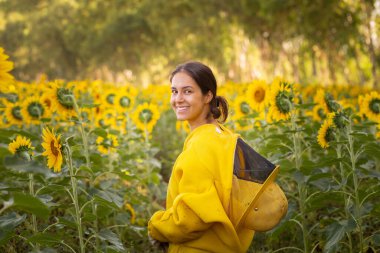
[{"x": 141, "y": 41}]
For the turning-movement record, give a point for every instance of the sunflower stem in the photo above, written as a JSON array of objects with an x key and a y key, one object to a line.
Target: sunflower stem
[
  {"x": 74, "y": 185},
  {"x": 31, "y": 191},
  {"x": 344, "y": 189},
  {"x": 353, "y": 158},
  {"x": 88, "y": 164},
  {"x": 302, "y": 190}
]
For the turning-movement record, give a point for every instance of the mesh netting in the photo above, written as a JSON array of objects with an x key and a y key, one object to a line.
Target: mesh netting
[{"x": 250, "y": 165}]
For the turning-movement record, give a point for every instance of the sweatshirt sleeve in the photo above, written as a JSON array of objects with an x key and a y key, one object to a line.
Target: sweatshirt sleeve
[{"x": 196, "y": 207}]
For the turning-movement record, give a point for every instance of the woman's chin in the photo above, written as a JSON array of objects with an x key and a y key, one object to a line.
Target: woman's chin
[{"x": 181, "y": 118}]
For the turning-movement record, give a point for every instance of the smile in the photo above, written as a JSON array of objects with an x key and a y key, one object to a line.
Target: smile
[{"x": 182, "y": 108}]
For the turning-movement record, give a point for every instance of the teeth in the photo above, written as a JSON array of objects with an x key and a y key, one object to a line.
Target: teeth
[{"x": 181, "y": 108}]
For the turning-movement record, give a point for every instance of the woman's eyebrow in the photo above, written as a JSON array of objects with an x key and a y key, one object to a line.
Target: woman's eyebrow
[{"x": 184, "y": 87}]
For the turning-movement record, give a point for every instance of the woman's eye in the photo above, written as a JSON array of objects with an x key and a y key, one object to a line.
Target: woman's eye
[
  {"x": 174, "y": 92},
  {"x": 187, "y": 91}
]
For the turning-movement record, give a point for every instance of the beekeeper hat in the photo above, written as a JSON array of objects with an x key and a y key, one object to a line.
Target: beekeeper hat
[{"x": 257, "y": 202}]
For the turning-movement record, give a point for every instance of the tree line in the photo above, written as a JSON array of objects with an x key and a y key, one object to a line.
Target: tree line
[{"x": 141, "y": 40}]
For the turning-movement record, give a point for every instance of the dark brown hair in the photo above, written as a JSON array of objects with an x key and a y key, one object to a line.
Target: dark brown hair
[{"x": 205, "y": 79}]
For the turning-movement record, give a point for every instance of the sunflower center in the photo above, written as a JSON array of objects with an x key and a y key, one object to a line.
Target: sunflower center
[
  {"x": 16, "y": 112},
  {"x": 244, "y": 107},
  {"x": 374, "y": 105},
  {"x": 53, "y": 148},
  {"x": 110, "y": 98},
  {"x": 259, "y": 95},
  {"x": 146, "y": 115},
  {"x": 283, "y": 103},
  {"x": 22, "y": 149},
  {"x": 65, "y": 98},
  {"x": 125, "y": 101},
  {"x": 35, "y": 109},
  {"x": 321, "y": 113},
  {"x": 329, "y": 135},
  {"x": 107, "y": 143}
]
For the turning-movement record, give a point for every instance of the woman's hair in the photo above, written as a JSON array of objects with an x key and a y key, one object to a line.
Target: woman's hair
[{"x": 205, "y": 79}]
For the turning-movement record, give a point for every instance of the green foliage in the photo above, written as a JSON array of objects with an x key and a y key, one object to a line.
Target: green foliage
[{"x": 75, "y": 39}]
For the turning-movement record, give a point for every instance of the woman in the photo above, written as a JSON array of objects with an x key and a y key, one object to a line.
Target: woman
[{"x": 201, "y": 214}]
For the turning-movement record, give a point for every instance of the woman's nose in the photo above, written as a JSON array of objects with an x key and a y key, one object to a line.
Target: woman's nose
[{"x": 179, "y": 97}]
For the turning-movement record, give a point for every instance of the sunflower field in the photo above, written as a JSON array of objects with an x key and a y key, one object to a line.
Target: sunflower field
[{"x": 84, "y": 164}]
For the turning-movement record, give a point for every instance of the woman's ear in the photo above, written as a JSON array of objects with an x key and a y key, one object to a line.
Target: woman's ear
[{"x": 209, "y": 97}]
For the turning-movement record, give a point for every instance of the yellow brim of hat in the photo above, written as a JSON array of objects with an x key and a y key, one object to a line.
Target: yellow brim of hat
[{"x": 244, "y": 200}]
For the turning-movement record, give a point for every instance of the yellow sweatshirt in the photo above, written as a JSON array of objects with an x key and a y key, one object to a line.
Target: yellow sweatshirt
[{"x": 196, "y": 216}]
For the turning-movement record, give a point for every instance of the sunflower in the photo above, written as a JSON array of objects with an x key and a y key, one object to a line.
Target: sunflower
[
  {"x": 339, "y": 119},
  {"x": 319, "y": 113},
  {"x": 62, "y": 100},
  {"x": 53, "y": 149},
  {"x": 33, "y": 110},
  {"x": 5, "y": 67},
  {"x": 182, "y": 126},
  {"x": 370, "y": 106},
  {"x": 241, "y": 108},
  {"x": 326, "y": 132},
  {"x": 258, "y": 95},
  {"x": 13, "y": 113},
  {"x": 281, "y": 100},
  {"x": 146, "y": 116},
  {"x": 108, "y": 144},
  {"x": 108, "y": 96},
  {"x": 123, "y": 101},
  {"x": 107, "y": 118},
  {"x": 131, "y": 211},
  {"x": 21, "y": 146},
  {"x": 326, "y": 100}
]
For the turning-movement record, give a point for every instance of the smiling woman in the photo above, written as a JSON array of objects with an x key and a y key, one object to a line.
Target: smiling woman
[{"x": 205, "y": 211}]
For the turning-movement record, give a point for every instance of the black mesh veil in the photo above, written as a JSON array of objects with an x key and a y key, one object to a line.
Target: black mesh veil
[{"x": 250, "y": 165}]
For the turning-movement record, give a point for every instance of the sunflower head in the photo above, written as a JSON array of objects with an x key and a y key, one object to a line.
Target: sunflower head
[
  {"x": 258, "y": 95},
  {"x": 13, "y": 113},
  {"x": 62, "y": 99},
  {"x": 339, "y": 119},
  {"x": 319, "y": 113},
  {"x": 332, "y": 105},
  {"x": 124, "y": 101},
  {"x": 326, "y": 133},
  {"x": 53, "y": 149},
  {"x": 370, "y": 106},
  {"x": 146, "y": 116},
  {"x": 5, "y": 67},
  {"x": 108, "y": 144},
  {"x": 33, "y": 110},
  {"x": 21, "y": 146},
  {"x": 282, "y": 97}
]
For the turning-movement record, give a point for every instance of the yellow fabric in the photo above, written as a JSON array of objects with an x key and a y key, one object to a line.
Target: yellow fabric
[{"x": 196, "y": 216}]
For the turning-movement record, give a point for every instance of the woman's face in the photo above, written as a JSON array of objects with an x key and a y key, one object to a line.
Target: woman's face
[{"x": 187, "y": 100}]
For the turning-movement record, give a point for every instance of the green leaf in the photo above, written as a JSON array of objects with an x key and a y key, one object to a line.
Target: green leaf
[
  {"x": 111, "y": 237},
  {"x": 86, "y": 169},
  {"x": 45, "y": 239},
  {"x": 376, "y": 239},
  {"x": 114, "y": 200},
  {"x": 100, "y": 132},
  {"x": 8, "y": 223},
  {"x": 336, "y": 232},
  {"x": 28, "y": 203},
  {"x": 21, "y": 165}
]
